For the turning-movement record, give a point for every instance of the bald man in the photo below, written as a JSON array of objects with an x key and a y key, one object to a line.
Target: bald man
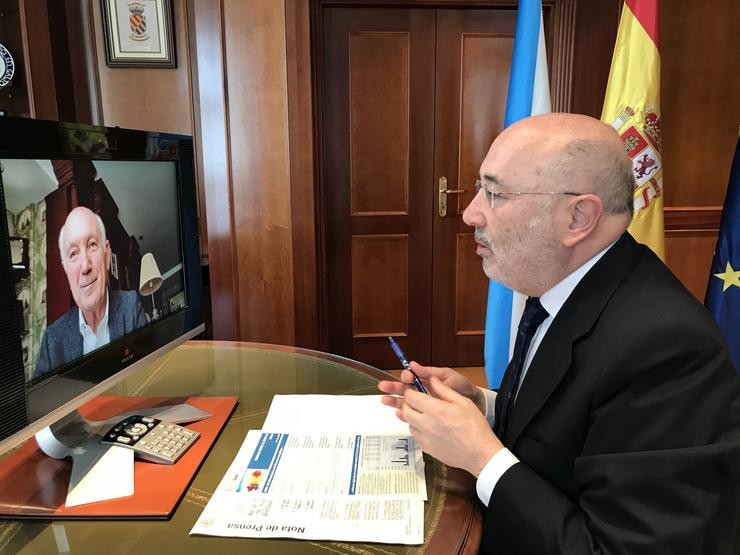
[
  {"x": 623, "y": 435},
  {"x": 101, "y": 315}
]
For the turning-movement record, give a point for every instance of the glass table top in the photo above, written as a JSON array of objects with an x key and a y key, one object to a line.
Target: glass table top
[{"x": 254, "y": 373}]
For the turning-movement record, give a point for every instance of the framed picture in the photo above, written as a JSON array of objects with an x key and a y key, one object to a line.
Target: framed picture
[
  {"x": 20, "y": 258},
  {"x": 139, "y": 33},
  {"x": 177, "y": 301}
]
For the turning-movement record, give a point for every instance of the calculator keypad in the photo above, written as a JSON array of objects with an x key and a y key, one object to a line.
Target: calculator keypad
[{"x": 151, "y": 439}]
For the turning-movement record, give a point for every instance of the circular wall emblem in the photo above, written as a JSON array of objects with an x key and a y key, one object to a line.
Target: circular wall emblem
[{"x": 7, "y": 66}]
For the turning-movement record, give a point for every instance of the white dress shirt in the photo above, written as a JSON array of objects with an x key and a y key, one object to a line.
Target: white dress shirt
[
  {"x": 552, "y": 300},
  {"x": 91, "y": 340}
]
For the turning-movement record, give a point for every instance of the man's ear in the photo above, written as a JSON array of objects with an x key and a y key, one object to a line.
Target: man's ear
[
  {"x": 585, "y": 213},
  {"x": 107, "y": 255}
]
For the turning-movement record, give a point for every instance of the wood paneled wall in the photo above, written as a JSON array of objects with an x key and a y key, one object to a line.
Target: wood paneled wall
[
  {"x": 14, "y": 97},
  {"x": 255, "y": 61},
  {"x": 146, "y": 98},
  {"x": 700, "y": 88},
  {"x": 304, "y": 199},
  {"x": 37, "y": 58},
  {"x": 67, "y": 77},
  {"x": 241, "y": 49},
  {"x": 700, "y": 104}
]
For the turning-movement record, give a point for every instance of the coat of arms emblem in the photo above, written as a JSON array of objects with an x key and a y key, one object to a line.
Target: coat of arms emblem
[
  {"x": 642, "y": 138},
  {"x": 137, "y": 21},
  {"x": 7, "y": 66}
]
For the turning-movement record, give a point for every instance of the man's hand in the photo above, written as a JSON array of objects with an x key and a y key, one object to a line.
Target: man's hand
[
  {"x": 452, "y": 379},
  {"x": 449, "y": 427}
]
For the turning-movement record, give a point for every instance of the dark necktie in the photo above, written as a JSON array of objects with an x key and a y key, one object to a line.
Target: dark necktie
[{"x": 534, "y": 315}]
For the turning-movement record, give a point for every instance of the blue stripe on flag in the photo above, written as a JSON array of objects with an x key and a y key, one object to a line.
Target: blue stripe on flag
[
  {"x": 498, "y": 330},
  {"x": 723, "y": 289},
  {"x": 523, "y": 61},
  {"x": 518, "y": 106}
]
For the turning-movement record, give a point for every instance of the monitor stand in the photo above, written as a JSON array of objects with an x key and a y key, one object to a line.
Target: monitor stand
[
  {"x": 70, "y": 434},
  {"x": 101, "y": 472}
]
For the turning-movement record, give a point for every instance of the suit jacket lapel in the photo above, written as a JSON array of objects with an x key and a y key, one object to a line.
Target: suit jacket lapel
[
  {"x": 577, "y": 316},
  {"x": 73, "y": 343},
  {"x": 115, "y": 316}
]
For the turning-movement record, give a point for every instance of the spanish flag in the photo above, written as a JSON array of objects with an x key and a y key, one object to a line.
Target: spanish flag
[{"x": 632, "y": 107}]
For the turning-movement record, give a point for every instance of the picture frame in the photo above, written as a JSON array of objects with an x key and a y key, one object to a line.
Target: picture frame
[
  {"x": 177, "y": 301},
  {"x": 139, "y": 33},
  {"x": 20, "y": 258}
]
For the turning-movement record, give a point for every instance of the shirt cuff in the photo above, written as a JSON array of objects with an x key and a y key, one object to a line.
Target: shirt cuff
[
  {"x": 490, "y": 413},
  {"x": 502, "y": 461}
]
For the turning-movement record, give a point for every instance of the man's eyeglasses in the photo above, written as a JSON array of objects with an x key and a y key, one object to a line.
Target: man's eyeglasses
[{"x": 494, "y": 198}]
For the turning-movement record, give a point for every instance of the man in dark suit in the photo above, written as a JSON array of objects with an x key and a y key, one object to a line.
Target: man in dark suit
[
  {"x": 623, "y": 435},
  {"x": 100, "y": 315}
]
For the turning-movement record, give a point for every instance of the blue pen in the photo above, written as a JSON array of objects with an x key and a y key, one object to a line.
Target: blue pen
[{"x": 399, "y": 353}]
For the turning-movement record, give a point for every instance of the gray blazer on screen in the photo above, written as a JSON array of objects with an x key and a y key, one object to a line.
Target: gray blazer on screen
[{"x": 62, "y": 340}]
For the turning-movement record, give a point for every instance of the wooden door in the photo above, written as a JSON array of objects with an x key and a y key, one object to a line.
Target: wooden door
[
  {"x": 473, "y": 60},
  {"x": 409, "y": 96}
]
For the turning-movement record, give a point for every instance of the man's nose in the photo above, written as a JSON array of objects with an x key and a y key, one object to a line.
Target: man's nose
[
  {"x": 473, "y": 214},
  {"x": 85, "y": 262}
]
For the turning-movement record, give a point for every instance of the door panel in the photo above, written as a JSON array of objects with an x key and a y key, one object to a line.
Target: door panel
[
  {"x": 472, "y": 78},
  {"x": 472, "y": 295},
  {"x": 379, "y": 273},
  {"x": 379, "y": 87},
  {"x": 379, "y": 146}
]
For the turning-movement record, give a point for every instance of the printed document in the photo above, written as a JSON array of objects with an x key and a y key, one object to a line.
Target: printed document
[
  {"x": 336, "y": 413},
  {"x": 315, "y": 476}
]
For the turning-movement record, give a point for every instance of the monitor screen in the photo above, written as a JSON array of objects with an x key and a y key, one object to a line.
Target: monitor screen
[
  {"x": 101, "y": 251},
  {"x": 98, "y": 276}
]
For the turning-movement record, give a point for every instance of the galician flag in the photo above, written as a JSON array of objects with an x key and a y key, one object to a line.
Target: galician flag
[
  {"x": 723, "y": 289},
  {"x": 632, "y": 107},
  {"x": 529, "y": 94}
]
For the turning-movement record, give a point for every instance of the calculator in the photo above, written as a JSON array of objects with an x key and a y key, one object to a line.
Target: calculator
[{"x": 151, "y": 439}]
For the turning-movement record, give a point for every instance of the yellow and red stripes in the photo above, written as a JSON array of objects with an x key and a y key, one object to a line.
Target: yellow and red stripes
[
  {"x": 646, "y": 12},
  {"x": 632, "y": 107}
]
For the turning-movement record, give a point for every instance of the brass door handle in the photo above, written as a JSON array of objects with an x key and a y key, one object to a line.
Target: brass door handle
[{"x": 443, "y": 192}]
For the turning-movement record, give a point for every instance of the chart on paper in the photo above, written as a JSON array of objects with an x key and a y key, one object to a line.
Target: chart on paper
[
  {"x": 331, "y": 464},
  {"x": 338, "y": 486}
]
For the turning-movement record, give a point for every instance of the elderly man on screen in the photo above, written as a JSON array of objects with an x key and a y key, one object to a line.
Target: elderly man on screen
[
  {"x": 616, "y": 427},
  {"x": 101, "y": 315}
]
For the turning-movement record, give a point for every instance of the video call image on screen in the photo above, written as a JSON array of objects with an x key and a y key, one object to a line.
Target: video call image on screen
[{"x": 95, "y": 247}]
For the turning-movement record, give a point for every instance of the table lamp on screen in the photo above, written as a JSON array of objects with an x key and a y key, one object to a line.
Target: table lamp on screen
[{"x": 150, "y": 280}]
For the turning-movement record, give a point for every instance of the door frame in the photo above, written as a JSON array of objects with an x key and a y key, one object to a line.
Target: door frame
[{"x": 568, "y": 24}]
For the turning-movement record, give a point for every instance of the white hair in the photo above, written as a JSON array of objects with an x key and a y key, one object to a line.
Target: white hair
[{"x": 101, "y": 234}]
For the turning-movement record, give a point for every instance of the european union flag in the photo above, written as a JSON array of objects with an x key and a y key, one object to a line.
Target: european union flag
[{"x": 723, "y": 290}]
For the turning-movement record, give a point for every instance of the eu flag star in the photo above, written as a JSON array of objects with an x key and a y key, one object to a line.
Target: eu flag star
[{"x": 729, "y": 276}]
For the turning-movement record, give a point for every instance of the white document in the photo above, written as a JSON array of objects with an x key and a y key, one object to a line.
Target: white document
[
  {"x": 336, "y": 413},
  {"x": 99, "y": 473},
  {"x": 312, "y": 475}
]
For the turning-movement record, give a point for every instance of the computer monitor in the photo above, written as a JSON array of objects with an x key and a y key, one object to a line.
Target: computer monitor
[{"x": 99, "y": 262}]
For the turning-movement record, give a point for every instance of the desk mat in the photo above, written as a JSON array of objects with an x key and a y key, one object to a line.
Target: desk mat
[{"x": 33, "y": 485}]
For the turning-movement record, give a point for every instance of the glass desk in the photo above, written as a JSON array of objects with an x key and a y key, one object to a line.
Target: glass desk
[{"x": 253, "y": 372}]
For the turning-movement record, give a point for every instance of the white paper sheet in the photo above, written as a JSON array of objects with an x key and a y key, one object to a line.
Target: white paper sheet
[
  {"x": 320, "y": 486},
  {"x": 99, "y": 473},
  {"x": 336, "y": 413},
  {"x": 310, "y": 474}
]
